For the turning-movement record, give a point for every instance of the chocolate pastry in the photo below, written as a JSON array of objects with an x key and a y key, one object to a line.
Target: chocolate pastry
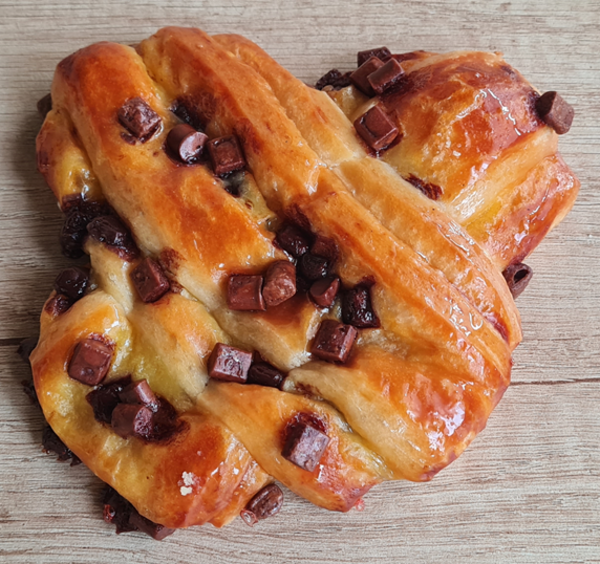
[{"x": 298, "y": 260}]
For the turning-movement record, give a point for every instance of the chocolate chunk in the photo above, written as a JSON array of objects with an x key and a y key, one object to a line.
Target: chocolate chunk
[
  {"x": 149, "y": 280},
  {"x": 105, "y": 398},
  {"x": 57, "y": 305},
  {"x": 226, "y": 155},
  {"x": 265, "y": 374},
  {"x": 266, "y": 503},
  {"x": 139, "y": 392},
  {"x": 313, "y": 267},
  {"x": 139, "y": 119},
  {"x": 517, "y": 277},
  {"x": 323, "y": 292},
  {"x": 44, "y": 105},
  {"x": 382, "y": 53},
  {"x": 334, "y": 341},
  {"x": 90, "y": 362},
  {"x": 386, "y": 76},
  {"x": 131, "y": 420},
  {"x": 165, "y": 422},
  {"x": 78, "y": 214},
  {"x": 185, "y": 143},
  {"x": 359, "y": 76},
  {"x": 280, "y": 283},
  {"x": 376, "y": 128},
  {"x": 229, "y": 364},
  {"x": 152, "y": 529},
  {"x": 293, "y": 240},
  {"x": 305, "y": 445},
  {"x": 52, "y": 443},
  {"x": 244, "y": 293},
  {"x": 357, "y": 309},
  {"x": 325, "y": 247},
  {"x": 109, "y": 230},
  {"x": 432, "y": 191},
  {"x": 335, "y": 79},
  {"x": 555, "y": 111},
  {"x": 26, "y": 348},
  {"x": 185, "y": 110},
  {"x": 72, "y": 282}
]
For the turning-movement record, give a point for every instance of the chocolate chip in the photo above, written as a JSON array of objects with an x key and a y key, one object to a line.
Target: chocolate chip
[
  {"x": 44, "y": 105},
  {"x": 57, "y": 305},
  {"x": 382, "y": 53},
  {"x": 90, "y": 362},
  {"x": 139, "y": 392},
  {"x": 280, "y": 283},
  {"x": 131, "y": 420},
  {"x": 244, "y": 293},
  {"x": 78, "y": 214},
  {"x": 432, "y": 191},
  {"x": 72, "y": 282},
  {"x": 266, "y": 503},
  {"x": 105, "y": 398},
  {"x": 305, "y": 446},
  {"x": 26, "y": 348},
  {"x": 52, "y": 443},
  {"x": 139, "y": 119},
  {"x": 185, "y": 143},
  {"x": 323, "y": 292},
  {"x": 149, "y": 280},
  {"x": 357, "y": 309},
  {"x": 555, "y": 111},
  {"x": 313, "y": 267},
  {"x": 335, "y": 79},
  {"x": 376, "y": 128},
  {"x": 359, "y": 76},
  {"x": 229, "y": 364},
  {"x": 334, "y": 341},
  {"x": 265, "y": 374},
  {"x": 386, "y": 76},
  {"x": 226, "y": 155},
  {"x": 517, "y": 277},
  {"x": 325, "y": 247},
  {"x": 108, "y": 230},
  {"x": 154, "y": 530},
  {"x": 293, "y": 240}
]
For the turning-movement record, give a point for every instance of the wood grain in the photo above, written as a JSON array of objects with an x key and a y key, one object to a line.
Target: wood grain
[{"x": 527, "y": 490}]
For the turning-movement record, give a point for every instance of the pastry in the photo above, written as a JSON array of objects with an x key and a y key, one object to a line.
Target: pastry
[{"x": 286, "y": 283}]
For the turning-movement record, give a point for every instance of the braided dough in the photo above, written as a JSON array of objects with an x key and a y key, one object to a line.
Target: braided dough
[{"x": 416, "y": 390}]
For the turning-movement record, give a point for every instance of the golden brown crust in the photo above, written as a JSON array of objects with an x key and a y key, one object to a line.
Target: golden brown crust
[{"x": 415, "y": 391}]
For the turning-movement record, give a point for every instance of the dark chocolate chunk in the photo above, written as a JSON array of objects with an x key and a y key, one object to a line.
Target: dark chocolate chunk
[
  {"x": 293, "y": 240},
  {"x": 386, "y": 76},
  {"x": 90, "y": 361},
  {"x": 382, "y": 53},
  {"x": 109, "y": 230},
  {"x": 517, "y": 277},
  {"x": 57, "y": 305},
  {"x": 131, "y": 420},
  {"x": 72, "y": 282},
  {"x": 360, "y": 76},
  {"x": 139, "y": 392},
  {"x": 280, "y": 283},
  {"x": 265, "y": 374},
  {"x": 305, "y": 445},
  {"x": 78, "y": 214},
  {"x": 376, "y": 128},
  {"x": 52, "y": 443},
  {"x": 226, "y": 155},
  {"x": 139, "y": 119},
  {"x": 244, "y": 293},
  {"x": 313, "y": 267},
  {"x": 149, "y": 280},
  {"x": 229, "y": 364},
  {"x": 555, "y": 111},
  {"x": 357, "y": 309},
  {"x": 105, "y": 398},
  {"x": 185, "y": 143},
  {"x": 152, "y": 529},
  {"x": 432, "y": 191},
  {"x": 266, "y": 503},
  {"x": 325, "y": 247},
  {"x": 335, "y": 79},
  {"x": 323, "y": 292},
  {"x": 26, "y": 348},
  {"x": 334, "y": 341},
  {"x": 165, "y": 422},
  {"x": 44, "y": 105}
]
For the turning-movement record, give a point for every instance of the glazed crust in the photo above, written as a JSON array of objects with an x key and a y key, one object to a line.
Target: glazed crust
[{"x": 415, "y": 391}]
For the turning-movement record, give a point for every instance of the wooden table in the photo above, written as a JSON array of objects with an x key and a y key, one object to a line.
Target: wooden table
[{"x": 527, "y": 490}]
